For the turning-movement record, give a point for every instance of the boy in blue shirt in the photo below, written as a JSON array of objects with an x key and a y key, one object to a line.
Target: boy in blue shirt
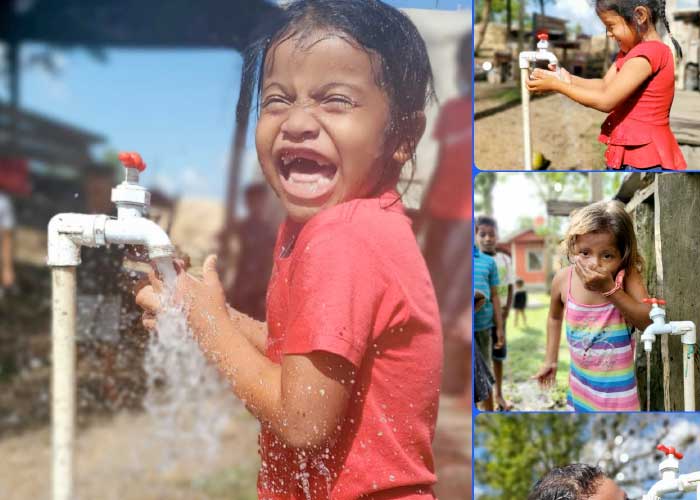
[{"x": 489, "y": 316}]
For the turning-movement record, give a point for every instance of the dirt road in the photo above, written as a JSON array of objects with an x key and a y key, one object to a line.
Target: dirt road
[
  {"x": 565, "y": 132},
  {"x": 119, "y": 459}
]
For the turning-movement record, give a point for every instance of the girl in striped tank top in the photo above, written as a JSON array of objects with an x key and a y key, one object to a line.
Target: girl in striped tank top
[{"x": 599, "y": 297}]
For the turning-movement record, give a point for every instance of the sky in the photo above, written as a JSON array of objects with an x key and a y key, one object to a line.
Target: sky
[{"x": 176, "y": 108}]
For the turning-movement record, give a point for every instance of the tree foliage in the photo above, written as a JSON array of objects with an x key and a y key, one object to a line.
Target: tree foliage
[
  {"x": 519, "y": 449},
  {"x": 513, "y": 451},
  {"x": 483, "y": 192}
]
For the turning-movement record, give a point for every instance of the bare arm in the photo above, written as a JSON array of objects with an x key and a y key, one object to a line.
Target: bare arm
[
  {"x": 546, "y": 375},
  {"x": 253, "y": 330},
  {"x": 304, "y": 399},
  {"x": 595, "y": 83},
  {"x": 605, "y": 98},
  {"x": 629, "y": 301}
]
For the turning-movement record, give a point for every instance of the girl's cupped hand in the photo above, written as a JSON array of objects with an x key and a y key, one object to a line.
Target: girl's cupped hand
[
  {"x": 202, "y": 299},
  {"x": 593, "y": 277}
]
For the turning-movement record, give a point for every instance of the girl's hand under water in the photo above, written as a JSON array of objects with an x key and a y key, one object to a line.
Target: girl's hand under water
[{"x": 202, "y": 299}]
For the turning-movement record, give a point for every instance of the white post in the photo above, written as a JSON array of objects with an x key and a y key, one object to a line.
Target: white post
[
  {"x": 527, "y": 134},
  {"x": 63, "y": 380},
  {"x": 689, "y": 376}
]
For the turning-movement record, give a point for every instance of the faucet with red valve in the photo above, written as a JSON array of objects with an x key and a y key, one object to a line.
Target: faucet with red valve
[
  {"x": 131, "y": 199},
  {"x": 671, "y": 482},
  {"x": 670, "y": 466},
  {"x": 542, "y": 57}
]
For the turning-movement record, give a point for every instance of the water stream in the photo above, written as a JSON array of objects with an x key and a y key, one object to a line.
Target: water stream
[
  {"x": 188, "y": 401},
  {"x": 648, "y": 380}
]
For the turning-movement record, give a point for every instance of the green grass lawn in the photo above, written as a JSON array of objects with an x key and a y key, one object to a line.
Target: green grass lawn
[{"x": 526, "y": 349}]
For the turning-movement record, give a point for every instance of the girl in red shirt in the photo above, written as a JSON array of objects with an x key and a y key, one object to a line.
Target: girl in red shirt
[
  {"x": 637, "y": 90},
  {"x": 345, "y": 372}
]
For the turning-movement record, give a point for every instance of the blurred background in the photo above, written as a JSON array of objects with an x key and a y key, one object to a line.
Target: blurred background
[{"x": 81, "y": 81}]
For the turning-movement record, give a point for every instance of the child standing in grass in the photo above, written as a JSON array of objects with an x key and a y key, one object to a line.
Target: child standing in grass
[
  {"x": 599, "y": 297},
  {"x": 486, "y": 239},
  {"x": 520, "y": 303},
  {"x": 489, "y": 316}
]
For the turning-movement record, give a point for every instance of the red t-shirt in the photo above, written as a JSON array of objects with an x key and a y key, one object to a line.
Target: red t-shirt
[
  {"x": 355, "y": 285},
  {"x": 450, "y": 195},
  {"x": 638, "y": 132}
]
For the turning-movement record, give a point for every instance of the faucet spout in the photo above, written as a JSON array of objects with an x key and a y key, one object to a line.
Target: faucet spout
[{"x": 139, "y": 231}]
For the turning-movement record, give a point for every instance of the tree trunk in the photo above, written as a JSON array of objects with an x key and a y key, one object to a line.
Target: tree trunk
[
  {"x": 485, "y": 17},
  {"x": 509, "y": 19}
]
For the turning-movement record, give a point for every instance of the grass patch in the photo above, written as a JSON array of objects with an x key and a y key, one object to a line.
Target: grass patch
[
  {"x": 509, "y": 94},
  {"x": 526, "y": 348}
]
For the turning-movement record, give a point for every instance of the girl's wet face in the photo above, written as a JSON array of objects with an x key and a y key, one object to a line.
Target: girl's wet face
[
  {"x": 320, "y": 136},
  {"x": 618, "y": 29},
  {"x": 598, "y": 250}
]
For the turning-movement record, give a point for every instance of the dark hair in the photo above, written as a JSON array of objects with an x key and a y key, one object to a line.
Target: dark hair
[
  {"x": 571, "y": 482},
  {"x": 403, "y": 72},
  {"x": 625, "y": 8},
  {"x": 519, "y": 282},
  {"x": 485, "y": 220}
]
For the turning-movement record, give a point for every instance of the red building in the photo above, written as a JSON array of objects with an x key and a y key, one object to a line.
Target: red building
[{"x": 527, "y": 251}]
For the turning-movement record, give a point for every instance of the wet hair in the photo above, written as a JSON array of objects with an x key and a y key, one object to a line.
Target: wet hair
[
  {"x": 570, "y": 482},
  {"x": 485, "y": 220},
  {"x": 602, "y": 217},
  {"x": 398, "y": 54},
  {"x": 625, "y": 9}
]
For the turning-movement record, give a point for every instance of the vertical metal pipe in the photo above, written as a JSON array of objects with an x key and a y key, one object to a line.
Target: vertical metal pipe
[
  {"x": 689, "y": 376},
  {"x": 63, "y": 380},
  {"x": 527, "y": 134}
]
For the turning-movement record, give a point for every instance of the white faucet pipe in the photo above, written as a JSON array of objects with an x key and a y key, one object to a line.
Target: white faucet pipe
[
  {"x": 527, "y": 133},
  {"x": 689, "y": 377},
  {"x": 63, "y": 380},
  {"x": 139, "y": 231},
  {"x": 69, "y": 232}
]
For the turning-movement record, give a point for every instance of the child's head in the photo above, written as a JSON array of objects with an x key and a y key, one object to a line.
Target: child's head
[
  {"x": 342, "y": 87},
  {"x": 627, "y": 21},
  {"x": 576, "y": 482},
  {"x": 519, "y": 283},
  {"x": 486, "y": 230},
  {"x": 602, "y": 233}
]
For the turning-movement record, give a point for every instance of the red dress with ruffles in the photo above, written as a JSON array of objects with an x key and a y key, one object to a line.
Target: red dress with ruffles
[{"x": 637, "y": 132}]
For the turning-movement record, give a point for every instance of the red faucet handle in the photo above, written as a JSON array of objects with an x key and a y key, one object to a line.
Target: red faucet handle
[
  {"x": 132, "y": 160},
  {"x": 543, "y": 36},
  {"x": 659, "y": 302},
  {"x": 669, "y": 450}
]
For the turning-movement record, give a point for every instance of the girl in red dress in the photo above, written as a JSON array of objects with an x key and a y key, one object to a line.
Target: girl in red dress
[{"x": 637, "y": 90}]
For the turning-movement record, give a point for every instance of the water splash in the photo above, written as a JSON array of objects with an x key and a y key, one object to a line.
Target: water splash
[{"x": 186, "y": 398}]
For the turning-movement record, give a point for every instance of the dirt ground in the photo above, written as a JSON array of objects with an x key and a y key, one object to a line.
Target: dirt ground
[
  {"x": 121, "y": 458},
  {"x": 563, "y": 131}
]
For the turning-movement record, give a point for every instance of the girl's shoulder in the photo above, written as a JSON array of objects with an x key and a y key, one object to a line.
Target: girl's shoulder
[{"x": 654, "y": 51}]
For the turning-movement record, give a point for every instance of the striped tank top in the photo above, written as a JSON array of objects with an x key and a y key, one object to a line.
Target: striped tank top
[{"x": 601, "y": 377}]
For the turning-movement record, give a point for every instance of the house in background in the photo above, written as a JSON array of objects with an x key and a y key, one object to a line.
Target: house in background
[{"x": 527, "y": 250}]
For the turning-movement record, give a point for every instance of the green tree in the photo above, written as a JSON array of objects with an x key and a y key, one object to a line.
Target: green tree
[
  {"x": 483, "y": 192},
  {"x": 519, "y": 449}
]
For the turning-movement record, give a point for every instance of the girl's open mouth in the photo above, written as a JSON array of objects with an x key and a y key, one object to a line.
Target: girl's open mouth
[{"x": 305, "y": 177}]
